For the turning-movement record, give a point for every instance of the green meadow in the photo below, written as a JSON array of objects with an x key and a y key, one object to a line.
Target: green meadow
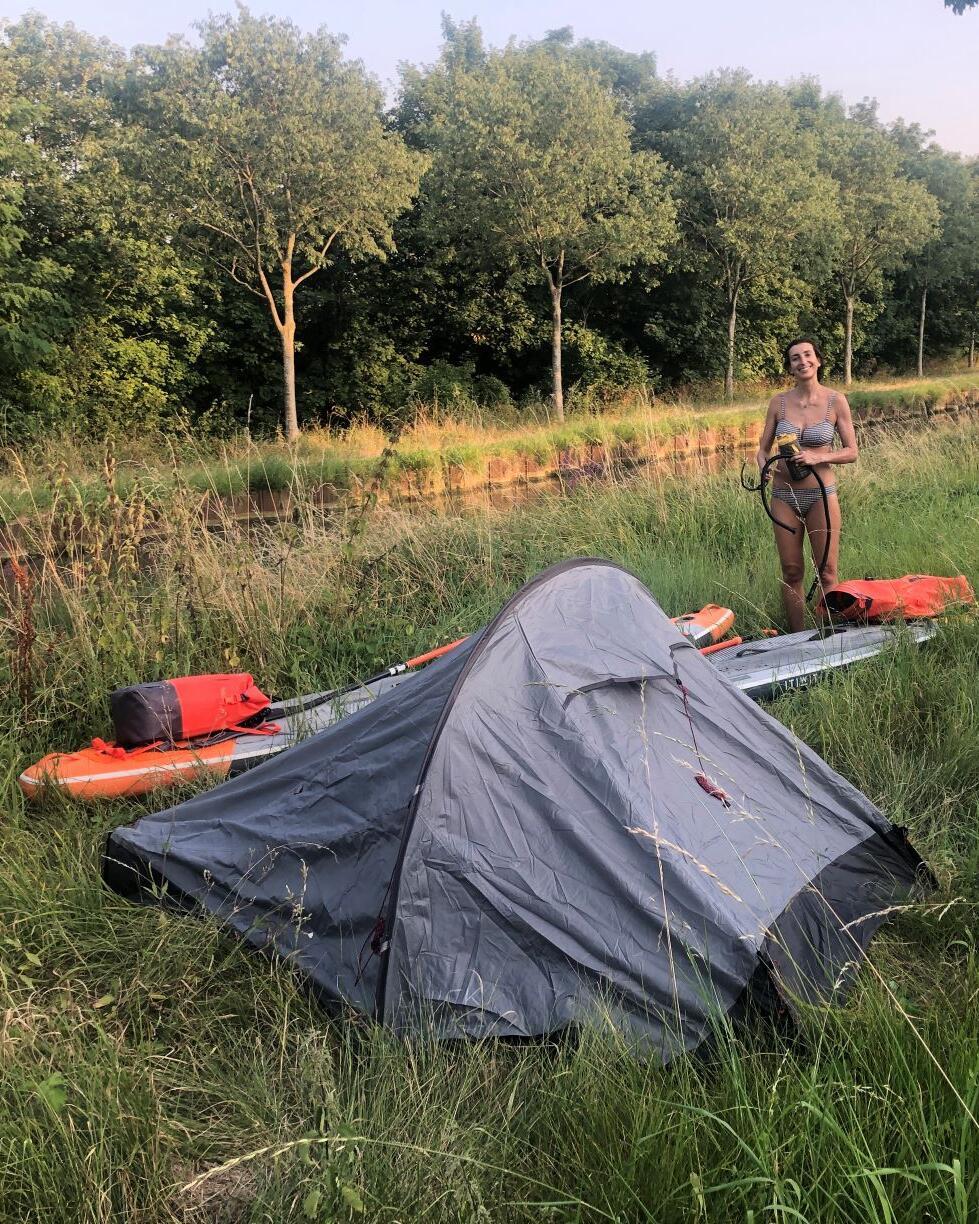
[{"x": 151, "y": 1070}]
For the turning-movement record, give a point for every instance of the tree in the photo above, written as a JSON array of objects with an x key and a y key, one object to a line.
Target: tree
[
  {"x": 30, "y": 317},
  {"x": 754, "y": 203},
  {"x": 967, "y": 286},
  {"x": 460, "y": 301},
  {"x": 629, "y": 75},
  {"x": 945, "y": 259},
  {"x": 105, "y": 327},
  {"x": 943, "y": 265},
  {"x": 273, "y": 149},
  {"x": 972, "y": 322},
  {"x": 533, "y": 170},
  {"x": 884, "y": 218}
]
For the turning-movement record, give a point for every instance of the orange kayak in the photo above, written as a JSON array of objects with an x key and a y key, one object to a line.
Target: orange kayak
[{"x": 105, "y": 771}]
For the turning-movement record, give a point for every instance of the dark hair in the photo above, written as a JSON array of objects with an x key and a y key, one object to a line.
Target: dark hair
[{"x": 815, "y": 348}]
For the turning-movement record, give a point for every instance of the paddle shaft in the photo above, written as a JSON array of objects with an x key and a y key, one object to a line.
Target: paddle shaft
[{"x": 312, "y": 700}]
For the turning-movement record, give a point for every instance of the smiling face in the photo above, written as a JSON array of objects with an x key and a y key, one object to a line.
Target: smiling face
[{"x": 804, "y": 364}]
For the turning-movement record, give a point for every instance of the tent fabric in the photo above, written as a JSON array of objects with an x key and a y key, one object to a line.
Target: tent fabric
[
  {"x": 297, "y": 853},
  {"x": 520, "y": 837}
]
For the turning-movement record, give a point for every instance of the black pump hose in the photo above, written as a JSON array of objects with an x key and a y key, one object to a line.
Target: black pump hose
[{"x": 760, "y": 488}]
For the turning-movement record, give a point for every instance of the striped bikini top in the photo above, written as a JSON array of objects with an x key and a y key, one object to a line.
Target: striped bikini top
[{"x": 820, "y": 434}]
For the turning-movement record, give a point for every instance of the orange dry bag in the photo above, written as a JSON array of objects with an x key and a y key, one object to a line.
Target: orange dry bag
[
  {"x": 171, "y": 711},
  {"x": 882, "y": 599}
]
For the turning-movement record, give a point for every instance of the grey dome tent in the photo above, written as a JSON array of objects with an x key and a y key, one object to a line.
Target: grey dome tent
[{"x": 572, "y": 813}]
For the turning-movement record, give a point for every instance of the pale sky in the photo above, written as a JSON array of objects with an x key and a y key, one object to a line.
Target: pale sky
[{"x": 916, "y": 57}]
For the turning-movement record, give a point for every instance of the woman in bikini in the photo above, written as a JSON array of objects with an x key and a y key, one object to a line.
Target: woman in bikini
[{"x": 815, "y": 415}]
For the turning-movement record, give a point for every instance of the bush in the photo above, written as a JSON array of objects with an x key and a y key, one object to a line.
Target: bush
[
  {"x": 459, "y": 386},
  {"x": 597, "y": 366}
]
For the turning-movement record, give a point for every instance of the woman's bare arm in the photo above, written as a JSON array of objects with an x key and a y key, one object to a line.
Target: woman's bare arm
[{"x": 768, "y": 433}]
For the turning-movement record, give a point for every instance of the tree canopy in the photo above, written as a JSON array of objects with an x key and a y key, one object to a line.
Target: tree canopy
[
  {"x": 884, "y": 217},
  {"x": 755, "y": 207}
]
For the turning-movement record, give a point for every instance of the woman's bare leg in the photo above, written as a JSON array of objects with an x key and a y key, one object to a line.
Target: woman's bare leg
[
  {"x": 791, "y": 560},
  {"x": 816, "y": 530}
]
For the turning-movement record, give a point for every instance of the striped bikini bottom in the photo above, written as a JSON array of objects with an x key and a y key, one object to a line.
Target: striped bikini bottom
[{"x": 803, "y": 500}]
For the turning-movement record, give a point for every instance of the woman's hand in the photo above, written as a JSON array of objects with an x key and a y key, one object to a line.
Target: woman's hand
[{"x": 811, "y": 458}]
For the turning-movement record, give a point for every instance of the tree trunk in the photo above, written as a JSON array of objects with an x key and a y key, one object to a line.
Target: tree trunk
[
  {"x": 557, "y": 395},
  {"x": 288, "y": 332},
  {"x": 732, "y": 320},
  {"x": 972, "y": 350},
  {"x": 848, "y": 347},
  {"x": 921, "y": 334}
]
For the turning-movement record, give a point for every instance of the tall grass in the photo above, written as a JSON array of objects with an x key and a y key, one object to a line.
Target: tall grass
[{"x": 142, "y": 1052}]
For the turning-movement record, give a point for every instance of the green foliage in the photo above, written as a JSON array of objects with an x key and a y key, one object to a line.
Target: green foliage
[
  {"x": 158, "y": 209},
  {"x": 29, "y": 315},
  {"x": 101, "y": 324},
  {"x": 931, "y": 297},
  {"x": 883, "y": 217},
  {"x": 443, "y": 385},
  {"x": 599, "y": 365}
]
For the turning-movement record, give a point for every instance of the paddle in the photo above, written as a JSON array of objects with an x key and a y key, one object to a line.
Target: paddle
[{"x": 297, "y": 705}]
